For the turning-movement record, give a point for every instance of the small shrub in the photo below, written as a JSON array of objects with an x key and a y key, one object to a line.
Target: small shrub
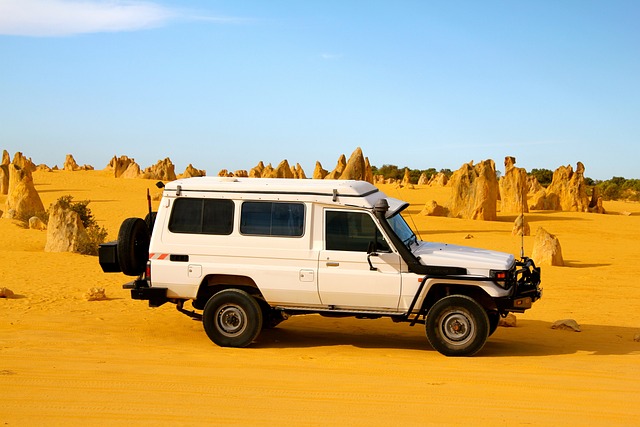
[{"x": 96, "y": 234}]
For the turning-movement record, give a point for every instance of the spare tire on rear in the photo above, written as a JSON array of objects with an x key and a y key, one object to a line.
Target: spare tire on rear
[{"x": 133, "y": 246}]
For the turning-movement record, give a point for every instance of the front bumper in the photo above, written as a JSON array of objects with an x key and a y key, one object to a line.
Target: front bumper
[
  {"x": 140, "y": 290},
  {"x": 525, "y": 290}
]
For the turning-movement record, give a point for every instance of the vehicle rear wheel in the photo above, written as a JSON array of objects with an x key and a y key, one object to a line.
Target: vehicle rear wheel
[
  {"x": 133, "y": 246},
  {"x": 457, "y": 326},
  {"x": 232, "y": 318}
]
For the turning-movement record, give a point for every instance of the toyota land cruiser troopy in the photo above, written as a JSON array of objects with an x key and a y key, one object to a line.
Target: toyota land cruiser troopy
[{"x": 250, "y": 252}]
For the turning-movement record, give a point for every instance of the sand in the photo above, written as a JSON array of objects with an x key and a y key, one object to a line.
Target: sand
[{"x": 68, "y": 361}]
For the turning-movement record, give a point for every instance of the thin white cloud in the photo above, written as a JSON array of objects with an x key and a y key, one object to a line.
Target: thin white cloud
[{"x": 46, "y": 18}]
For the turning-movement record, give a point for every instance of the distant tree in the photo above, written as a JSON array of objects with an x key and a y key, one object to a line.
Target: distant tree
[
  {"x": 390, "y": 171},
  {"x": 447, "y": 172},
  {"x": 393, "y": 171},
  {"x": 618, "y": 188},
  {"x": 544, "y": 176}
]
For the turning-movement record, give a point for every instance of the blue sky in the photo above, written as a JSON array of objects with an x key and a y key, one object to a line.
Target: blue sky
[{"x": 224, "y": 84}]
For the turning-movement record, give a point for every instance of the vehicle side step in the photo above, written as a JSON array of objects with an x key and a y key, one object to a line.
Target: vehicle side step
[{"x": 332, "y": 309}]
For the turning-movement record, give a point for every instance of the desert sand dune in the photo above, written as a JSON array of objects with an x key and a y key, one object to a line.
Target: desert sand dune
[{"x": 68, "y": 361}]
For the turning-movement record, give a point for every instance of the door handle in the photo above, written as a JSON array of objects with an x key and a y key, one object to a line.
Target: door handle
[{"x": 333, "y": 264}]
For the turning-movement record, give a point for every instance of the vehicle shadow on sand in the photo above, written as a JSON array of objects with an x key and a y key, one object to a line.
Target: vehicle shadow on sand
[
  {"x": 530, "y": 338},
  {"x": 536, "y": 338}
]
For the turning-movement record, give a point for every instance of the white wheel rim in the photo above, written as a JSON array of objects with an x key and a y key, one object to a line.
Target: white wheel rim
[
  {"x": 457, "y": 328},
  {"x": 231, "y": 320}
]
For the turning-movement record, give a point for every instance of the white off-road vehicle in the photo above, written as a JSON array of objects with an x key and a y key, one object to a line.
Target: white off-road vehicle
[{"x": 248, "y": 253}]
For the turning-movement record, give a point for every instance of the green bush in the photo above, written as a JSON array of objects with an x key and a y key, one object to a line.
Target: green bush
[
  {"x": 619, "y": 188},
  {"x": 96, "y": 233}
]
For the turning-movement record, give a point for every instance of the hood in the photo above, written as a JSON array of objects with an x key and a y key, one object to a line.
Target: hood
[{"x": 476, "y": 261}]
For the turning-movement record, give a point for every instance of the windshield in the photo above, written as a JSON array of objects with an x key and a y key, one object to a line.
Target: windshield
[{"x": 402, "y": 229}]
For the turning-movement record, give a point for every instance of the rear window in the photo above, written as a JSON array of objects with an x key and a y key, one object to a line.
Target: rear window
[
  {"x": 272, "y": 219},
  {"x": 202, "y": 216}
]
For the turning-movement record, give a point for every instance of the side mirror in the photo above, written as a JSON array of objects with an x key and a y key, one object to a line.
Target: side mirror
[{"x": 372, "y": 250}]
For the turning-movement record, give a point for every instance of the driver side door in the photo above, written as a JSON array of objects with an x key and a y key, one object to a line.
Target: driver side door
[{"x": 345, "y": 278}]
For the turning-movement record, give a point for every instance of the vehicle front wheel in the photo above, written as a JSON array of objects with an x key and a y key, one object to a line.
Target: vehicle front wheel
[
  {"x": 232, "y": 318},
  {"x": 457, "y": 326},
  {"x": 494, "y": 320}
]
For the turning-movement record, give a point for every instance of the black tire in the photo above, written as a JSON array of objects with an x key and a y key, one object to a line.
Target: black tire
[
  {"x": 494, "y": 319},
  {"x": 232, "y": 318},
  {"x": 150, "y": 220},
  {"x": 133, "y": 246},
  {"x": 457, "y": 326}
]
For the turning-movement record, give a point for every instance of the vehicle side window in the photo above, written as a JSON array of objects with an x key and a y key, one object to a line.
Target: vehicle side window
[
  {"x": 272, "y": 219},
  {"x": 202, "y": 216},
  {"x": 352, "y": 231}
]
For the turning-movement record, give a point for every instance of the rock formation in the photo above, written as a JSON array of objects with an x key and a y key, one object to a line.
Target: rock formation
[
  {"x": 474, "y": 192},
  {"x": 521, "y": 227},
  {"x": 298, "y": 172},
  {"x": 432, "y": 208},
  {"x": 6, "y": 293},
  {"x": 6, "y": 158},
  {"x": 533, "y": 186},
  {"x": 513, "y": 188},
  {"x": 337, "y": 171},
  {"x": 438, "y": 180},
  {"x": 596, "y": 205},
  {"x": 423, "y": 180},
  {"x": 567, "y": 191},
  {"x": 95, "y": 294},
  {"x": 65, "y": 232},
  {"x": 164, "y": 170},
  {"x": 508, "y": 322},
  {"x": 23, "y": 201},
  {"x": 566, "y": 325},
  {"x": 355, "y": 168},
  {"x": 256, "y": 172},
  {"x": 4, "y": 172},
  {"x": 283, "y": 170},
  {"x": 191, "y": 172},
  {"x": 319, "y": 172},
  {"x": 36, "y": 223},
  {"x": 119, "y": 165},
  {"x": 241, "y": 173},
  {"x": 546, "y": 249},
  {"x": 268, "y": 171},
  {"x": 406, "y": 179},
  {"x": 70, "y": 164},
  {"x": 132, "y": 171},
  {"x": 4, "y": 179},
  {"x": 24, "y": 163},
  {"x": 368, "y": 173}
]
